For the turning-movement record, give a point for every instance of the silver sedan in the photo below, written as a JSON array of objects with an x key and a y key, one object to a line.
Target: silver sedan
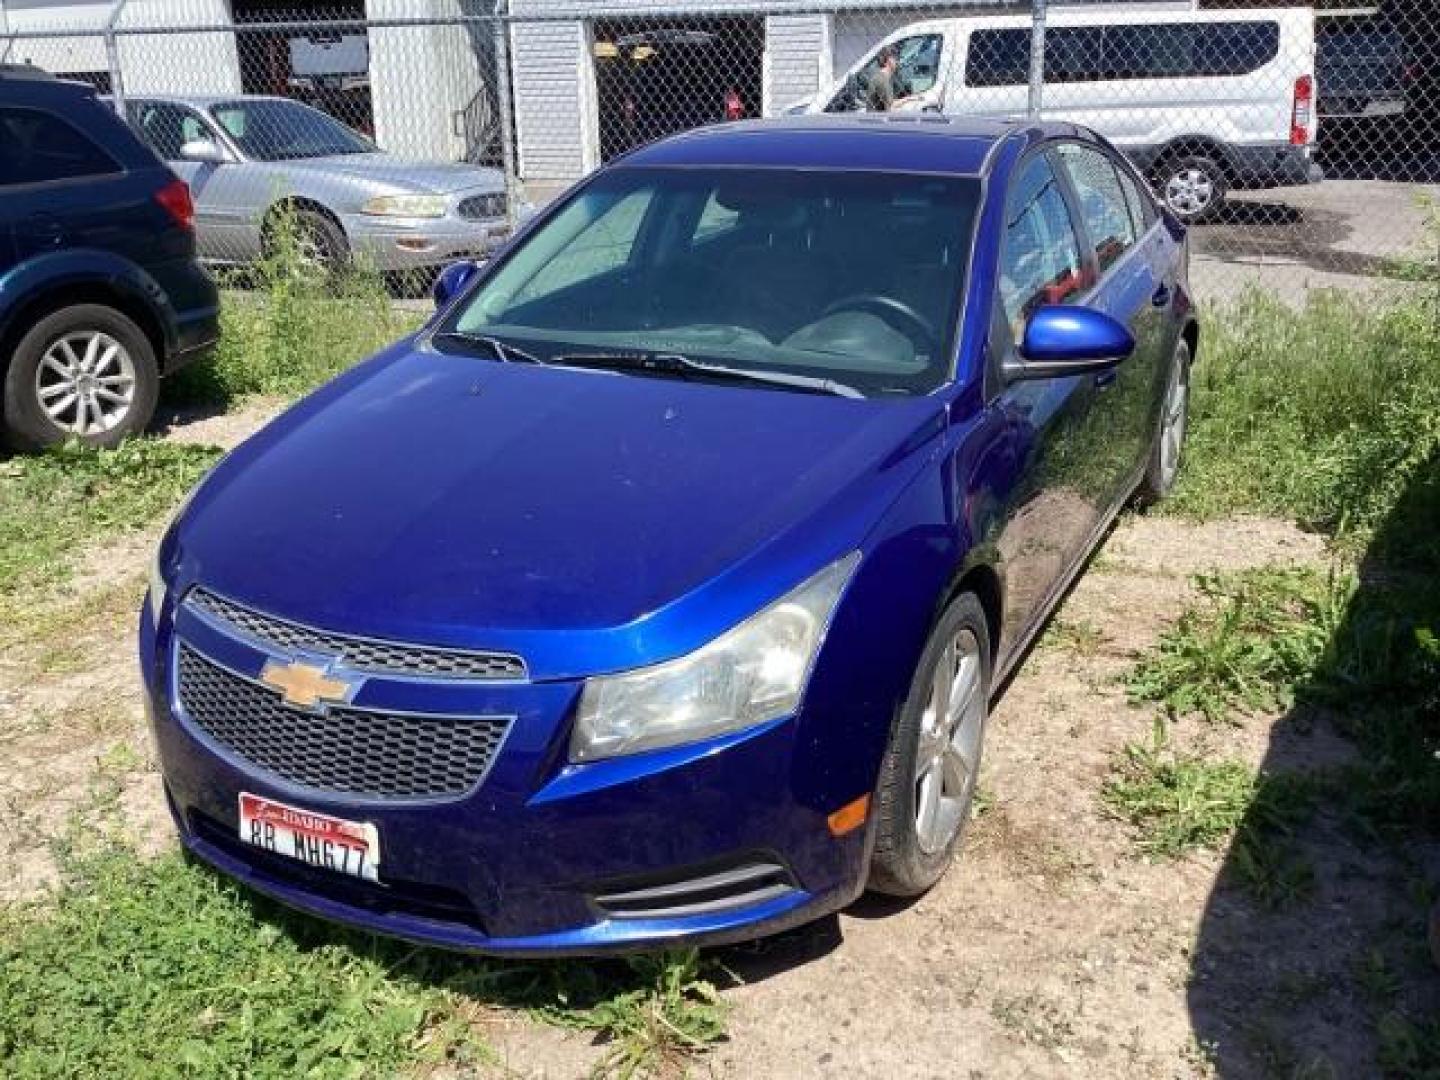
[{"x": 248, "y": 157}]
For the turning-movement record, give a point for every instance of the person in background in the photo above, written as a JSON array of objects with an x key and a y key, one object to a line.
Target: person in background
[{"x": 880, "y": 94}]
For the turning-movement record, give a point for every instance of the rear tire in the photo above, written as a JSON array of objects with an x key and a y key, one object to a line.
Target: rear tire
[
  {"x": 85, "y": 372},
  {"x": 927, "y": 780},
  {"x": 1193, "y": 187},
  {"x": 1168, "y": 447}
]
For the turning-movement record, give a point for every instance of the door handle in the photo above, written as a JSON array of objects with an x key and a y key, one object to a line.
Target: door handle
[{"x": 1161, "y": 296}]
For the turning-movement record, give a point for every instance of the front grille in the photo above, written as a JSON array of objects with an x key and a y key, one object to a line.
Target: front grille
[
  {"x": 345, "y": 750},
  {"x": 483, "y": 207},
  {"x": 364, "y": 655}
]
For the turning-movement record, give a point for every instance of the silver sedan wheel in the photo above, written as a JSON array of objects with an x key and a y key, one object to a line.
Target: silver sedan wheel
[
  {"x": 1173, "y": 421},
  {"x": 947, "y": 757},
  {"x": 1190, "y": 192},
  {"x": 85, "y": 382}
]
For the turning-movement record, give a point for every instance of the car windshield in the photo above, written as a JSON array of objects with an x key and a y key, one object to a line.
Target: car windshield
[
  {"x": 283, "y": 130},
  {"x": 854, "y": 277}
]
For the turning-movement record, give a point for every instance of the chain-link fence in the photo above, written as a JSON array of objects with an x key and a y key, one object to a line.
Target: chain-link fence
[{"x": 1297, "y": 140}]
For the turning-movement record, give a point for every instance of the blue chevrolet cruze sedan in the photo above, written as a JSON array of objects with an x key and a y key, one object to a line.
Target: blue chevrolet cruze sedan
[{"x": 656, "y": 591}]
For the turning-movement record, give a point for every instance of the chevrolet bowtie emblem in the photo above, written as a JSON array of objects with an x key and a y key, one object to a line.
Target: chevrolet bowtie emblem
[{"x": 305, "y": 685}]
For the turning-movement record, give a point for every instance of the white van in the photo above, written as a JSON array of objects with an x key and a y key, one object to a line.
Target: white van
[{"x": 1204, "y": 102}]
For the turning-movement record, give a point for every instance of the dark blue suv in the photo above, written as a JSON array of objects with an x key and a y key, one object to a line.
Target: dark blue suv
[{"x": 100, "y": 291}]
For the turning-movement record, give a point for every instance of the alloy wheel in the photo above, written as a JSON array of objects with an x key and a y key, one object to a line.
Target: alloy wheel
[
  {"x": 947, "y": 754},
  {"x": 85, "y": 382},
  {"x": 1174, "y": 420},
  {"x": 1189, "y": 191}
]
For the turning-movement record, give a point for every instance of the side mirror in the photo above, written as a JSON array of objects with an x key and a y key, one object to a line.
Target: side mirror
[
  {"x": 452, "y": 280},
  {"x": 1061, "y": 341},
  {"x": 203, "y": 151}
]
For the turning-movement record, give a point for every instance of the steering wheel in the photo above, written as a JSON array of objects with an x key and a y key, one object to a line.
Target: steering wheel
[{"x": 888, "y": 305}]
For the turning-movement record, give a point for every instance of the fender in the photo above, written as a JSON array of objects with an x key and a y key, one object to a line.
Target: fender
[{"x": 72, "y": 267}]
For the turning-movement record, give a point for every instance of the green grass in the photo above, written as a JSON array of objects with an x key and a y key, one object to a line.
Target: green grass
[
  {"x": 1327, "y": 415},
  {"x": 144, "y": 968},
  {"x": 1179, "y": 801},
  {"x": 53, "y": 505},
  {"x": 285, "y": 331},
  {"x": 1253, "y": 638}
]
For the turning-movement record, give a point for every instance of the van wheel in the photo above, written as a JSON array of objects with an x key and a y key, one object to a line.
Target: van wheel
[
  {"x": 84, "y": 372},
  {"x": 1192, "y": 186},
  {"x": 927, "y": 780}
]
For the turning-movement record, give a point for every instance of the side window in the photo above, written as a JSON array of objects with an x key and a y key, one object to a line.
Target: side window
[
  {"x": 1142, "y": 212},
  {"x": 168, "y": 127},
  {"x": 1041, "y": 262},
  {"x": 36, "y": 147},
  {"x": 1102, "y": 202},
  {"x": 1075, "y": 54},
  {"x": 998, "y": 58},
  {"x": 917, "y": 61}
]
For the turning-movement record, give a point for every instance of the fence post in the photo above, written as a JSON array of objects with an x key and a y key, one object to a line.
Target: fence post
[
  {"x": 1037, "y": 59},
  {"x": 502, "y": 104},
  {"x": 112, "y": 58}
]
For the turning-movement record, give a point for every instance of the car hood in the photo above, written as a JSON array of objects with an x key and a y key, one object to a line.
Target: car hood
[
  {"x": 588, "y": 520},
  {"x": 439, "y": 177}
]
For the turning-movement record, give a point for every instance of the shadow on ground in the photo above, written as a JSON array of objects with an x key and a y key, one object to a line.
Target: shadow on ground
[{"x": 1311, "y": 957}]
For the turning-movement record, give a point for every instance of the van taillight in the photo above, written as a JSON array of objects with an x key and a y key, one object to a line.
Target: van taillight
[
  {"x": 175, "y": 197},
  {"x": 1303, "y": 112}
]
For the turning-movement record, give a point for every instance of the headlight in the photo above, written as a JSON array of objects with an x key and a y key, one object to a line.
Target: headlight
[
  {"x": 411, "y": 206},
  {"x": 748, "y": 675}
]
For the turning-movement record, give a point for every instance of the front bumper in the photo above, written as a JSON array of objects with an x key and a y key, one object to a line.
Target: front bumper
[
  {"x": 696, "y": 845},
  {"x": 392, "y": 244}
]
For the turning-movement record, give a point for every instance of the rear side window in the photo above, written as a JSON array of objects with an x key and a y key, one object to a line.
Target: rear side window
[
  {"x": 168, "y": 127},
  {"x": 1041, "y": 261},
  {"x": 1103, "y": 204},
  {"x": 1125, "y": 52},
  {"x": 38, "y": 147}
]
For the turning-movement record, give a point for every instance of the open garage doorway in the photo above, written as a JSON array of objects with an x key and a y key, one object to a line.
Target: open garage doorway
[
  {"x": 654, "y": 77},
  {"x": 324, "y": 66}
]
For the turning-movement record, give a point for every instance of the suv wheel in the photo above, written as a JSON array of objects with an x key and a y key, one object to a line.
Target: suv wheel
[
  {"x": 1192, "y": 186},
  {"x": 927, "y": 780},
  {"x": 85, "y": 372}
]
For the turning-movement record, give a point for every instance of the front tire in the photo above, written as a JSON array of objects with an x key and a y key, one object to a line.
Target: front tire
[
  {"x": 85, "y": 372},
  {"x": 928, "y": 777}
]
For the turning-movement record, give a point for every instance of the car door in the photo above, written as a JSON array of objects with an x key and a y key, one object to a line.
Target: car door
[
  {"x": 1130, "y": 257},
  {"x": 1057, "y": 496},
  {"x": 922, "y": 64},
  {"x": 62, "y": 190},
  {"x": 222, "y": 225}
]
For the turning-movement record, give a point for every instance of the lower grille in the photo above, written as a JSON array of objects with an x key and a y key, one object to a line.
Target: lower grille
[
  {"x": 483, "y": 207},
  {"x": 345, "y": 750},
  {"x": 697, "y": 893}
]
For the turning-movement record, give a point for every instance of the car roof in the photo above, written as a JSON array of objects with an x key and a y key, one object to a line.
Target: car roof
[{"x": 887, "y": 142}]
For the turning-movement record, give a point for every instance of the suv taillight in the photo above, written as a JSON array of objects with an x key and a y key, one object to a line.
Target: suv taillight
[
  {"x": 175, "y": 198},
  {"x": 1303, "y": 112}
]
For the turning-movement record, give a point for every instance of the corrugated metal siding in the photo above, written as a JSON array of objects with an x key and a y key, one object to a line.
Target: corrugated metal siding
[
  {"x": 547, "y": 61},
  {"x": 794, "y": 59}
]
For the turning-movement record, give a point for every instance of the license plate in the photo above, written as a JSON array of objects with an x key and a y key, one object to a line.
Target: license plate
[{"x": 330, "y": 843}]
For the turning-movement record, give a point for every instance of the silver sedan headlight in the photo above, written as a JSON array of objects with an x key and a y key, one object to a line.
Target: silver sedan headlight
[
  {"x": 408, "y": 206},
  {"x": 752, "y": 673}
]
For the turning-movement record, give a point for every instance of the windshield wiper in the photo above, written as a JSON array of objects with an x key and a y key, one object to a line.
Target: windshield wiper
[
  {"x": 503, "y": 351},
  {"x": 675, "y": 364}
]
